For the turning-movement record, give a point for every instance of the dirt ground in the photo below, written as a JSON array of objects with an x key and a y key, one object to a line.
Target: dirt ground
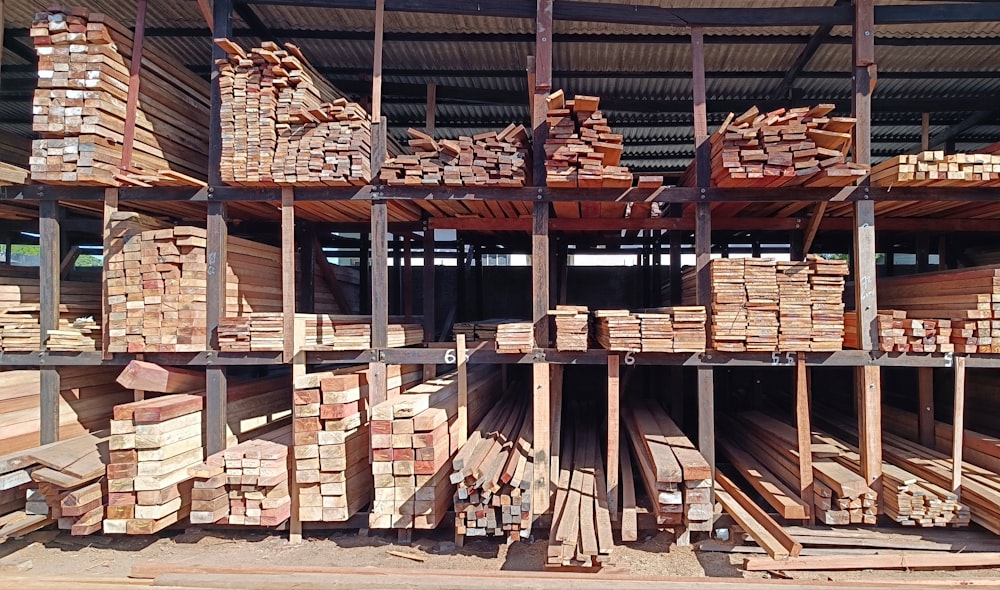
[{"x": 55, "y": 554}]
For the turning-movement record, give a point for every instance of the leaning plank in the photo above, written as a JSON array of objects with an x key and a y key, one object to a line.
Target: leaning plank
[
  {"x": 764, "y": 530},
  {"x": 777, "y": 494},
  {"x": 897, "y": 561},
  {"x": 148, "y": 376}
]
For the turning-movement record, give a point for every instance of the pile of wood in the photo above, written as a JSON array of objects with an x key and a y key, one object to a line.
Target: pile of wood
[
  {"x": 753, "y": 298},
  {"x": 480, "y": 329},
  {"x": 515, "y": 337},
  {"x": 264, "y": 331},
  {"x": 572, "y": 327},
  {"x": 157, "y": 286},
  {"x": 332, "y": 439},
  {"x": 414, "y": 439},
  {"x": 244, "y": 485},
  {"x": 282, "y": 124},
  {"x": 87, "y": 396},
  {"x": 674, "y": 473},
  {"x": 661, "y": 329},
  {"x": 896, "y": 333},
  {"x": 153, "y": 443},
  {"x": 935, "y": 168},
  {"x": 581, "y": 150},
  {"x": 69, "y": 483},
  {"x": 580, "y": 535},
  {"x": 20, "y": 308},
  {"x": 11, "y": 174},
  {"x": 981, "y": 450},
  {"x": 494, "y": 474},
  {"x": 785, "y": 147},
  {"x": 486, "y": 159},
  {"x": 840, "y": 496},
  {"x": 80, "y": 107}
]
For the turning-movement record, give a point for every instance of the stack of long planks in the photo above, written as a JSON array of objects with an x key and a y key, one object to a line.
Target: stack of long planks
[
  {"x": 935, "y": 168},
  {"x": 581, "y": 150},
  {"x": 515, "y": 337},
  {"x": 332, "y": 439},
  {"x": 897, "y": 333},
  {"x": 676, "y": 476},
  {"x": 69, "y": 483},
  {"x": 486, "y": 159},
  {"x": 157, "y": 288},
  {"x": 480, "y": 329},
  {"x": 153, "y": 443},
  {"x": 785, "y": 147},
  {"x": 760, "y": 305},
  {"x": 11, "y": 174},
  {"x": 840, "y": 496},
  {"x": 81, "y": 107},
  {"x": 493, "y": 471},
  {"x": 661, "y": 329},
  {"x": 264, "y": 331},
  {"x": 982, "y": 450},
  {"x": 414, "y": 439},
  {"x": 580, "y": 535},
  {"x": 281, "y": 125},
  {"x": 87, "y": 396},
  {"x": 20, "y": 308},
  {"x": 244, "y": 485},
  {"x": 572, "y": 327}
]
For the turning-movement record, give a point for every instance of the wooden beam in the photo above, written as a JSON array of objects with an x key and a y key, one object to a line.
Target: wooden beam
[
  {"x": 298, "y": 370},
  {"x": 407, "y": 286},
  {"x": 614, "y": 431},
  {"x": 803, "y": 426},
  {"x": 288, "y": 272},
  {"x": 463, "y": 389},
  {"x": 160, "y": 378},
  {"x": 541, "y": 399},
  {"x": 925, "y": 403},
  {"x": 431, "y": 106},
  {"x": 49, "y": 231},
  {"x": 380, "y": 274},
  {"x": 958, "y": 430},
  {"x": 428, "y": 296},
  {"x": 216, "y": 380},
  {"x": 132, "y": 98},
  {"x": 758, "y": 524},
  {"x": 110, "y": 208},
  {"x": 376, "y": 111},
  {"x": 925, "y": 131},
  {"x": 205, "y": 6},
  {"x": 540, "y": 273},
  {"x": 813, "y": 228},
  {"x": 902, "y": 561}
]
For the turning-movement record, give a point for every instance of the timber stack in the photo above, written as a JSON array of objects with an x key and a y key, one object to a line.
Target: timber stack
[
  {"x": 414, "y": 440},
  {"x": 494, "y": 474},
  {"x": 282, "y": 125},
  {"x": 580, "y": 534},
  {"x": 661, "y": 329},
  {"x": 897, "y": 333},
  {"x": 486, "y": 159},
  {"x": 20, "y": 309},
  {"x": 840, "y": 496},
  {"x": 264, "y": 331},
  {"x": 581, "y": 150},
  {"x": 935, "y": 168},
  {"x": 81, "y": 115},
  {"x": 157, "y": 292},
  {"x": 479, "y": 329},
  {"x": 674, "y": 473},
  {"x": 244, "y": 485},
  {"x": 69, "y": 483},
  {"x": 760, "y": 305},
  {"x": 515, "y": 337},
  {"x": 332, "y": 439},
  {"x": 153, "y": 443},
  {"x": 785, "y": 147},
  {"x": 572, "y": 327}
]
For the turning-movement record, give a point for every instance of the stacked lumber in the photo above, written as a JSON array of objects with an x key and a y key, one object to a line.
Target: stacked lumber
[
  {"x": 493, "y": 471},
  {"x": 785, "y": 147},
  {"x": 761, "y": 305},
  {"x": 358, "y": 336},
  {"x": 332, "y": 439},
  {"x": 661, "y": 329},
  {"x": 486, "y": 159},
  {"x": 580, "y": 534},
  {"x": 244, "y": 485},
  {"x": 581, "y": 150},
  {"x": 656, "y": 330},
  {"x": 979, "y": 449},
  {"x": 282, "y": 126},
  {"x": 690, "y": 334},
  {"x": 906, "y": 498},
  {"x": 157, "y": 291},
  {"x": 11, "y": 174},
  {"x": 826, "y": 291},
  {"x": 757, "y": 523},
  {"x": 414, "y": 439},
  {"x": 153, "y": 443},
  {"x": 840, "y": 496},
  {"x": 69, "y": 483},
  {"x": 572, "y": 327},
  {"x": 676, "y": 476},
  {"x": 515, "y": 337},
  {"x": 479, "y": 329},
  {"x": 86, "y": 398},
  {"x": 20, "y": 309},
  {"x": 897, "y": 333},
  {"x": 935, "y": 168},
  {"x": 80, "y": 107},
  {"x": 617, "y": 329},
  {"x": 264, "y": 331}
]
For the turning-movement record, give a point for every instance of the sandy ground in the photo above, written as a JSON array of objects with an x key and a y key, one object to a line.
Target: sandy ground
[{"x": 55, "y": 554}]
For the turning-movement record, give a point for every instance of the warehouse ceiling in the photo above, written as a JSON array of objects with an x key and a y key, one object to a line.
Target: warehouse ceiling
[{"x": 642, "y": 72}]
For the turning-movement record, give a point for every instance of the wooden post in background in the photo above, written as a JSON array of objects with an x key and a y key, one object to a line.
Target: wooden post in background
[
  {"x": 288, "y": 272},
  {"x": 925, "y": 410},
  {"x": 958, "y": 432},
  {"x": 378, "y": 390},
  {"x": 49, "y": 213},
  {"x": 431, "y": 113},
  {"x": 430, "y": 371},
  {"x": 925, "y": 132},
  {"x": 614, "y": 432},
  {"x": 110, "y": 208},
  {"x": 298, "y": 369},
  {"x": 463, "y": 390}
]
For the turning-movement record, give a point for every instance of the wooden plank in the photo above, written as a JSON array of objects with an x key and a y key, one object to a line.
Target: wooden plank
[
  {"x": 925, "y": 406},
  {"x": 903, "y": 561},
  {"x": 777, "y": 494},
  {"x": 463, "y": 390},
  {"x": 377, "y": 60},
  {"x": 768, "y": 533},
  {"x": 959, "y": 427},
  {"x": 803, "y": 428},
  {"x": 870, "y": 425},
  {"x": 134, "y": 82},
  {"x": 161, "y": 379},
  {"x": 541, "y": 398},
  {"x": 49, "y": 252},
  {"x": 614, "y": 431},
  {"x": 431, "y": 108},
  {"x": 380, "y": 274},
  {"x": 288, "y": 272},
  {"x": 706, "y": 415},
  {"x": 629, "y": 522},
  {"x": 110, "y": 208}
]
